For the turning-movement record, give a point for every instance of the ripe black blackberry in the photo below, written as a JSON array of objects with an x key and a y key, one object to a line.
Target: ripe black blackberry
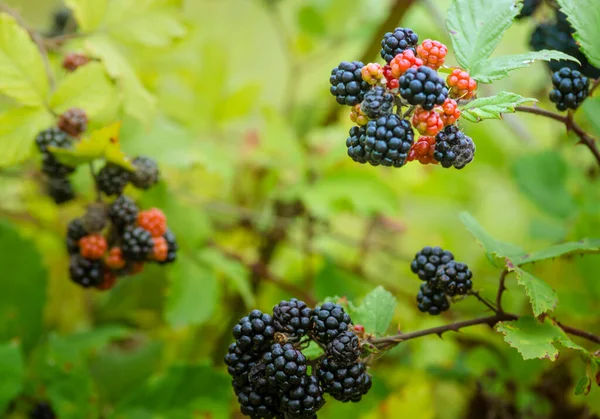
[
  {"x": 454, "y": 278},
  {"x": 432, "y": 300},
  {"x": 112, "y": 179},
  {"x": 146, "y": 172},
  {"x": 422, "y": 86},
  {"x": 529, "y": 8},
  {"x": 329, "y": 321},
  {"x": 293, "y": 317},
  {"x": 52, "y": 137},
  {"x": 86, "y": 272},
  {"x": 428, "y": 260},
  {"x": 53, "y": 168},
  {"x": 123, "y": 212},
  {"x": 75, "y": 231},
  {"x": 239, "y": 363},
  {"x": 347, "y": 84},
  {"x": 344, "y": 349},
  {"x": 304, "y": 400},
  {"x": 254, "y": 332},
  {"x": 285, "y": 366},
  {"x": 355, "y": 149},
  {"x": 377, "y": 102},
  {"x": 257, "y": 404},
  {"x": 453, "y": 148},
  {"x": 173, "y": 247},
  {"x": 42, "y": 410},
  {"x": 60, "y": 190},
  {"x": 136, "y": 243},
  {"x": 571, "y": 88},
  {"x": 387, "y": 141},
  {"x": 346, "y": 384},
  {"x": 394, "y": 43}
]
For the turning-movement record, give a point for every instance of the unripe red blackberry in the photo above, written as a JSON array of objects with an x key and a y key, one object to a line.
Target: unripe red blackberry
[
  {"x": 154, "y": 221},
  {"x": 402, "y": 62},
  {"x": 92, "y": 246},
  {"x": 74, "y": 60},
  {"x": 433, "y": 53},
  {"x": 427, "y": 122},
  {"x": 74, "y": 122},
  {"x": 423, "y": 150},
  {"x": 461, "y": 85}
]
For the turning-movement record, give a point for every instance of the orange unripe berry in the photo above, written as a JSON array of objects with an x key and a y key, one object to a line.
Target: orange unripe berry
[
  {"x": 427, "y": 122},
  {"x": 372, "y": 73},
  {"x": 402, "y": 62},
  {"x": 92, "y": 246},
  {"x": 461, "y": 85},
  {"x": 357, "y": 116},
  {"x": 433, "y": 53},
  {"x": 154, "y": 221}
]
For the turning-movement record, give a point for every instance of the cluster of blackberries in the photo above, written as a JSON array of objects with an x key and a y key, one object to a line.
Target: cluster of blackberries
[
  {"x": 557, "y": 35},
  {"x": 385, "y": 134},
  {"x": 270, "y": 374},
  {"x": 70, "y": 125},
  {"x": 116, "y": 240},
  {"x": 42, "y": 410},
  {"x": 442, "y": 277}
]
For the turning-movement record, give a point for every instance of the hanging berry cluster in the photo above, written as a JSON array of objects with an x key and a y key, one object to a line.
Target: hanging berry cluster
[
  {"x": 111, "y": 239},
  {"x": 442, "y": 277},
  {"x": 271, "y": 375},
  {"x": 388, "y": 103}
]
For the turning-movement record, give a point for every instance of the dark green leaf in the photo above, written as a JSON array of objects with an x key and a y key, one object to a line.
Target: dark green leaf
[
  {"x": 560, "y": 250},
  {"x": 311, "y": 21},
  {"x": 543, "y": 298},
  {"x": 376, "y": 311},
  {"x": 584, "y": 16},
  {"x": 12, "y": 372}
]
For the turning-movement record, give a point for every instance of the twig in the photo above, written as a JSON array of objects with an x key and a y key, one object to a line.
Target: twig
[
  {"x": 36, "y": 37},
  {"x": 483, "y": 301},
  {"x": 570, "y": 124},
  {"x": 594, "y": 86},
  {"x": 501, "y": 289},
  {"x": 577, "y": 332}
]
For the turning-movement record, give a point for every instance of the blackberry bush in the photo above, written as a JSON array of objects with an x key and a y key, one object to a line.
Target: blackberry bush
[
  {"x": 329, "y": 321},
  {"x": 347, "y": 84},
  {"x": 387, "y": 141},
  {"x": 571, "y": 88}
]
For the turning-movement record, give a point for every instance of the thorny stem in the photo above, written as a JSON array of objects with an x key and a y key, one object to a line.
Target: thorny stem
[
  {"x": 570, "y": 124},
  {"x": 501, "y": 289}
]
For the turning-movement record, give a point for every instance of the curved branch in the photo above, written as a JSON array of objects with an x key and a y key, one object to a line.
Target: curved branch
[{"x": 501, "y": 289}]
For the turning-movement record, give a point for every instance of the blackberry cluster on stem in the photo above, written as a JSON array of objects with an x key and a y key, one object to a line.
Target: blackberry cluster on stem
[
  {"x": 442, "y": 277},
  {"x": 270, "y": 374},
  {"x": 389, "y": 102}
]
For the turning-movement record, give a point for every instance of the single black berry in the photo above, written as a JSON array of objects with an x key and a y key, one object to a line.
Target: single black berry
[
  {"x": 304, "y": 400},
  {"x": 453, "y": 148},
  {"x": 86, "y": 272},
  {"x": 347, "y": 84},
  {"x": 329, "y": 321},
  {"x": 173, "y": 247},
  {"x": 239, "y": 363},
  {"x": 54, "y": 168},
  {"x": 136, "y": 243},
  {"x": 529, "y": 8},
  {"x": 285, "y": 366},
  {"x": 570, "y": 89},
  {"x": 146, "y": 172},
  {"x": 257, "y": 404},
  {"x": 293, "y": 317},
  {"x": 387, "y": 141},
  {"x": 428, "y": 260},
  {"x": 254, "y": 332},
  {"x": 354, "y": 142},
  {"x": 52, "y": 137},
  {"x": 454, "y": 278},
  {"x": 432, "y": 300},
  {"x": 123, "y": 212},
  {"x": 377, "y": 102},
  {"x": 344, "y": 349},
  {"x": 42, "y": 410},
  {"x": 346, "y": 384},
  {"x": 75, "y": 231},
  {"x": 60, "y": 190},
  {"x": 422, "y": 86},
  {"x": 394, "y": 43},
  {"x": 112, "y": 179}
]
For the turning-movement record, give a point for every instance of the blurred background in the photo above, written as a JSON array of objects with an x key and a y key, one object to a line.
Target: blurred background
[{"x": 234, "y": 104}]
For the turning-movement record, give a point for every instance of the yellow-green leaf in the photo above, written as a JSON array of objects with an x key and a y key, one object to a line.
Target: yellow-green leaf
[
  {"x": 18, "y": 128},
  {"x": 22, "y": 74},
  {"x": 88, "y": 88},
  {"x": 89, "y": 13}
]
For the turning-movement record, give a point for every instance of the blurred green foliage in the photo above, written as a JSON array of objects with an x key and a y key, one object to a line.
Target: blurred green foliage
[{"x": 231, "y": 97}]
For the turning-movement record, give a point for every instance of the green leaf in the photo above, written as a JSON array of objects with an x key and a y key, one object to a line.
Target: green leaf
[
  {"x": 542, "y": 297},
  {"x": 21, "y": 301},
  {"x": 583, "y": 386},
  {"x": 559, "y": 250},
  {"x": 193, "y": 293},
  {"x": 477, "y": 26},
  {"x": 584, "y": 16},
  {"x": 238, "y": 103},
  {"x": 542, "y": 178},
  {"x": 232, "y": 270},
  {"x": 345, "y": 189},
  {"x": 493, "y": 107},
  {"x": 311, "y": 21},
  {"x": 88, "y": 88},
  {"x": 376, "y": 311},
  {"x": 184, "y": 391},
  {"x": 22, "y": 74},
  {"x": 12, "y": 372},
  {"x": 138, "y": 101},
  {"x": 534, "y": 339},
  {"x": 88, "y": 13},
  {"x": 497, "y": 68},
  {"x": 18, "y": 128},
  {"x": 494, "y": 248},
  {"x": 313, "y": 351}
]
